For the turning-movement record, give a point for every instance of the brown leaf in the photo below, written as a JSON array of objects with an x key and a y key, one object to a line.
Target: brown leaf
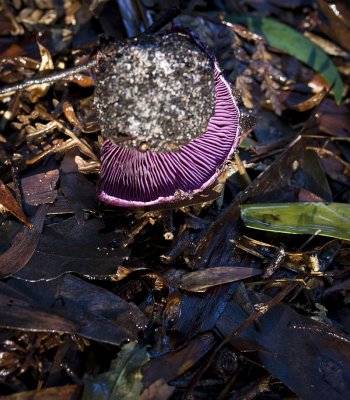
[
  {"x": 46, "y": 64},
  {"x": 334, "y": 26},
  {"x": 71, "y": 247},
  {"x": 309, "y": 357},
  {"x": 24, "y": 245},
  {"x": 334, "y": 119},
  {"x": 174, "y": 364},
  {"x": 190, "y": 314},
  {"x": 40, "y": 188},
  {"x": 11, "y": 204},
  {"x": 79, "y": 191},
  {"x": 199, "y": 281}
]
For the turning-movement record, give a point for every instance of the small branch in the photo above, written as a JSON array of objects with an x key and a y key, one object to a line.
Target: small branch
[{"x": 47, "y": 78}]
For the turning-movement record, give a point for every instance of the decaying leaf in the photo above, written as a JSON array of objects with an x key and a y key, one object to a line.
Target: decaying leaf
[
  {"x": 199, "y": 281},
  {"x": 69, "y": 305},
  {"x": 23, "y": 245},
  {"x": 70, "y": 247}
]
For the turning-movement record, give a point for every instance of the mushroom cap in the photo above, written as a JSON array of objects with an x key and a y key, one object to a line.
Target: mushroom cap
[
  {"x": 133, "y": 178},
  {"x": 154, "y": 92}
]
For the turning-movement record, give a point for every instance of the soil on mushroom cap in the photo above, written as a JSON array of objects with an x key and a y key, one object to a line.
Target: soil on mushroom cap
[{"x": 155, "y": 92}]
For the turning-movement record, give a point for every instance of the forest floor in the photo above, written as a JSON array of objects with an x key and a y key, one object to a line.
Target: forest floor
[{"x": 240, "y": 293}]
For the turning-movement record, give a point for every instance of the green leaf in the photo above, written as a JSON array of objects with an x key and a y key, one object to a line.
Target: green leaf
[
  {"x": 331, "y": 219},
  {"x": 285, "y": 38},
  {"x": 123, "y": 380}
]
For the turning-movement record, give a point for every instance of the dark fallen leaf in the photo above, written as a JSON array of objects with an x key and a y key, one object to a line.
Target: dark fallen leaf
[
  {"x": 174, "y": 364},
  {"x": 71, "y": 247},
  {"x": 40, "y": 188},
  {"x": 79, "y": 191},
  {"x": 189, "y": 314},
  {"x": 123, "y": 379},
  {"x": 334, "y": 119},
  {"x": 309, "y": 357},
  {"x": 69, "y": 305},
  {"x": 23, "y": 245},
  {"x": 199, "y": 281},
  {"x": 60, "y": 206},
  {"x": 68, "y": 392},
  {"x": 334, "y": 27},
  {"x": 11, "y": 204}
]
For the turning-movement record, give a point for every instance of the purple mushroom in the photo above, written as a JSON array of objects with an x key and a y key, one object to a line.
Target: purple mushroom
[{"x": 142, "y": 164}]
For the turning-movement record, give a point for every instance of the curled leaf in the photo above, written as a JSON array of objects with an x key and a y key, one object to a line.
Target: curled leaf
[{"x": 8, "y": 201}]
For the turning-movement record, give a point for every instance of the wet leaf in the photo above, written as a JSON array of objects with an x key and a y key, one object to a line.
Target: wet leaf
[
  {"x": 190, "y": 314},
  {"x": 123, "y": 379},
  {"x": 173, "y": 364},
  {"x": 331, "y": 220},
  {"x": 285, "y": 38},
  {"x": 71, "y": 247},
  {"x": 311, "y": 358},
  {"x": 40, "y": 188},
  {"x": 79, "y": 191},
  {"x": 23, "y": 245},
  {"x": 69, "y": 305}
]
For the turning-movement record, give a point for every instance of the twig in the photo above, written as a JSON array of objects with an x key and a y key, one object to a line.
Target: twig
[{"x": 47, "y": 78}]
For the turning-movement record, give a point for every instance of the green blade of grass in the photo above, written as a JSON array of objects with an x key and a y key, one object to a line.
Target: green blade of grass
[
  {"x": 285, "y": 38},
  {"x": 331, "y": 219}
]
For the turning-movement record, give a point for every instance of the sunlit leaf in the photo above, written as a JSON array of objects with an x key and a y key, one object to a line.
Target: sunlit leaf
[
  {"x": 123, "y": 380},
  {"x": 285, "y": 38},
  {"x": 300, "y": 218}
]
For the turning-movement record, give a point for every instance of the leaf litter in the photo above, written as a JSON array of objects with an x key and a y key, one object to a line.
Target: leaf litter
[{"x": 183, "y": 301}]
